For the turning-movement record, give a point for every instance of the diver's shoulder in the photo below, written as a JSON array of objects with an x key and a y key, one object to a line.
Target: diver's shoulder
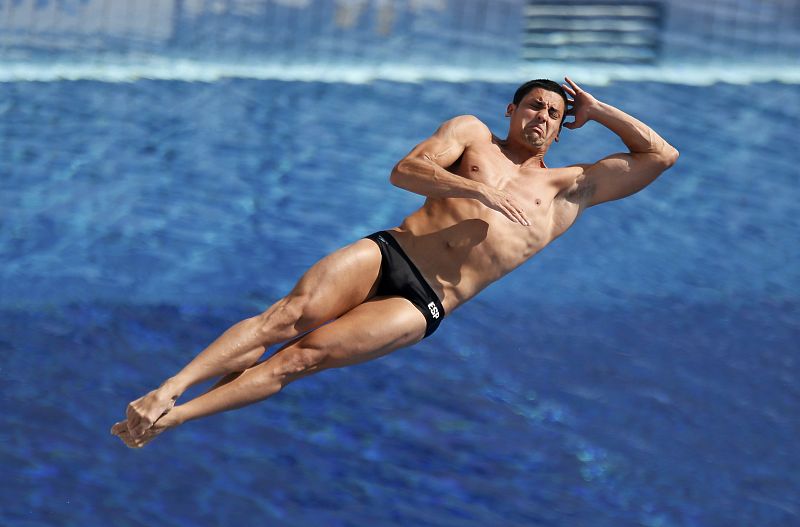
[
  {"x": 470, "y": 126},
  {"x": 469, "y": 120}
]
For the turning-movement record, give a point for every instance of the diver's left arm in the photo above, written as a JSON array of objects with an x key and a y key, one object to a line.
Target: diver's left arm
[{"x": 619, "y": 175}]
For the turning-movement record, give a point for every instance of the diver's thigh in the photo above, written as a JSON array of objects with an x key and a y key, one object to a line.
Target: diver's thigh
[
  {"x": 372, "y": 329},
  {"x": 368, "y": 331},
  {"x": 340, "y": 281}
]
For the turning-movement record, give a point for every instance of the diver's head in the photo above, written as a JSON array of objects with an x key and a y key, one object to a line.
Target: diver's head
[{"x": 537, "y": 113}]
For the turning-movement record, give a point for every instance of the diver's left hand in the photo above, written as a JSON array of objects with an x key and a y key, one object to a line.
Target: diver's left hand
[{"x": 581, "y": 105}]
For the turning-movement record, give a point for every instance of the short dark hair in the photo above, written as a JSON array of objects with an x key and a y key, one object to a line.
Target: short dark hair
[{"x": 544, "y": 84}]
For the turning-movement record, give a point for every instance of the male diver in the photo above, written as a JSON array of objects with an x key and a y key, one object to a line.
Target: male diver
[{"x": 491, "y": 205}]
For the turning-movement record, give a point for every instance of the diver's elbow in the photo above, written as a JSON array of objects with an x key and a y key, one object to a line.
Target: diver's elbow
[
  {"x": 395, "y": 175},
  {"x": 399, "y": 173},
  {"x": 670, "y": 156}
]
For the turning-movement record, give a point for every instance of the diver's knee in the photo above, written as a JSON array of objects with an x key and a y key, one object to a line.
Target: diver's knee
[
  {"x": 284, "y": 315},
  {"x": 301, "y": 359},
  {"x": 305, "y": 311}
]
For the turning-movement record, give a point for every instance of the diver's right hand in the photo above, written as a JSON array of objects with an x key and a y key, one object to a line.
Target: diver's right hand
[{"x": 505, "y": 203}]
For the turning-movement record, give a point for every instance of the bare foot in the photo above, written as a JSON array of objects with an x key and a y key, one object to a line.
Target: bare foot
[
  {"x": 120, "y": 430},
  {"x": 146, "y": 410}
]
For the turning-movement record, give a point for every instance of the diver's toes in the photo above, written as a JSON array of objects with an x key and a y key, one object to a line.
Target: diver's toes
[{"x": 119, "y": 427}]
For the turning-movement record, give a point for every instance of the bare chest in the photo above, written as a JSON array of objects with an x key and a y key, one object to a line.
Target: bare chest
[
  {"x": 530, "y": 186},
  {"x": 533, "y": 188}
]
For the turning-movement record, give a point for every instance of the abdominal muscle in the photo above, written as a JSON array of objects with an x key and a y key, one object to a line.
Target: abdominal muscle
[{"x": 461, "y": 246}]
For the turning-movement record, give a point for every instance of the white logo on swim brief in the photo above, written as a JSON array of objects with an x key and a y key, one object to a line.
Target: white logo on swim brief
[{"x": 434, "y": 310}]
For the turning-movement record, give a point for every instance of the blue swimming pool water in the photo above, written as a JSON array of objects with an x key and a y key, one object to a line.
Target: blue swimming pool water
[{"x": 643, "y": 370}]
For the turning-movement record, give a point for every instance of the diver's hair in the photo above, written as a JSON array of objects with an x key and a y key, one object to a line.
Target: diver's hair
[{"x": 545, "y": 84}]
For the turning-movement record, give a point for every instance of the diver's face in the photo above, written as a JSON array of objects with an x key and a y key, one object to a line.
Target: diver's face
[{"x": 536, "y": 120}]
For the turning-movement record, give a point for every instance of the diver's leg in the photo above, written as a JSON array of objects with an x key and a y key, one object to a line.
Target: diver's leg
[
  {"x": 368, "y": 331},
  {"x": 333, "y": 286}
]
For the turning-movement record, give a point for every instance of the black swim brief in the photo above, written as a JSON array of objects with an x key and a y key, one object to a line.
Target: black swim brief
[{"x": 400, "y": 277}]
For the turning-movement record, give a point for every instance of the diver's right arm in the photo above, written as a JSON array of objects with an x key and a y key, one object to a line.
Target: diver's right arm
[{"x": 424, "y": 169}]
